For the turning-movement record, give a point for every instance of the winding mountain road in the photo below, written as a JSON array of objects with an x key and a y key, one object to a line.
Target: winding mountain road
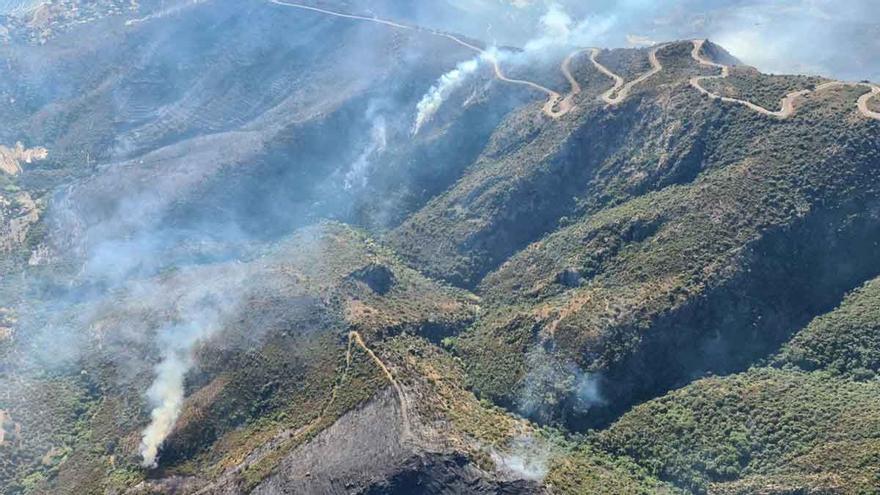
[
  {"x": 787, "y": 105},
  {"x": 556, "y": 105},
  {"x": 620, "y": 91},
  {"x": 618, "y": 81}
]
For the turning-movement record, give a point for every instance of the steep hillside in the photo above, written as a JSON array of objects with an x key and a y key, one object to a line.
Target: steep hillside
[
  {"x": 279, "y": 357},
  {"x": 283, "y": 247},
  {"x": 806, "y": 425},
  {"x": 764, "y": 430},
  {"x": 842, "y": 342},
  {"x": 523, "y": 184},
  {"x": 691, "y": 278}
]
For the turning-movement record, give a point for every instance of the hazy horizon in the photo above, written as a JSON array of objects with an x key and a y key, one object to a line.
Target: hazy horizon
[{"x": 818, "y": 37}]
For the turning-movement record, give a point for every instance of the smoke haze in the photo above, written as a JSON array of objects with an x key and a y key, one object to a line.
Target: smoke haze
[
  {"x": 826, "y": 37},
  {"x": 209, "y": 159}
]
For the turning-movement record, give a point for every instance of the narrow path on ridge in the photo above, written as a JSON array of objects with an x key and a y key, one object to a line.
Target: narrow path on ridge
[
  {"x": 401, "y": 396},
  {"x": 787, "y": 105},
  {"x": 285, "y": 436},
  {"x": 620, "y": 91}
]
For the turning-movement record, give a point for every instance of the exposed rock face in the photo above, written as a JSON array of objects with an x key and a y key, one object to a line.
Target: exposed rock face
[{"x": 12, "y": 158}]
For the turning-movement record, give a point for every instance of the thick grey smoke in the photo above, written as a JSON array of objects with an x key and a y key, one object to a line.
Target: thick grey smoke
[{"x": 163, "y": 205}]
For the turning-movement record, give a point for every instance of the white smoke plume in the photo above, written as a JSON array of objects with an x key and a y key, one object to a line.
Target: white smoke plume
[
  {"x": 526, "y": 457},
  {"x": 357, "y": 175},
  {"x": 166, "y": 396},
  {"x": 441, "y": 90},
  {"x": 550, "y": 381},
  {"x": 199, "y": 313},
  {"x": 559, "y": 30},
  {"x": 557, "y": 24}
]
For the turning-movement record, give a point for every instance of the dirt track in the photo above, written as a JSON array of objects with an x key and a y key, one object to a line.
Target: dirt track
[
  {"x": 620, "y": 91},
  {"x": 787, "y": 105},
  {"x": 356, "y": 337},
  {"x": 286, "y": 436},
  {"x": 556, "y": 105}
]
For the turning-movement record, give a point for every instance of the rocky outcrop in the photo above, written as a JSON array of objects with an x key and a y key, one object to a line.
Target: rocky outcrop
[{"x": 12, "y": 158}]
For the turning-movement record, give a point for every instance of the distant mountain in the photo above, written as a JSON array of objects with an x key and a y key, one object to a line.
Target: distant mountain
[{"x": 275, "y": 247}]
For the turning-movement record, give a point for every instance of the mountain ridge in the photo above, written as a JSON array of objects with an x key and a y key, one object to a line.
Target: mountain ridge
[{"x": 516, "y": 299}]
